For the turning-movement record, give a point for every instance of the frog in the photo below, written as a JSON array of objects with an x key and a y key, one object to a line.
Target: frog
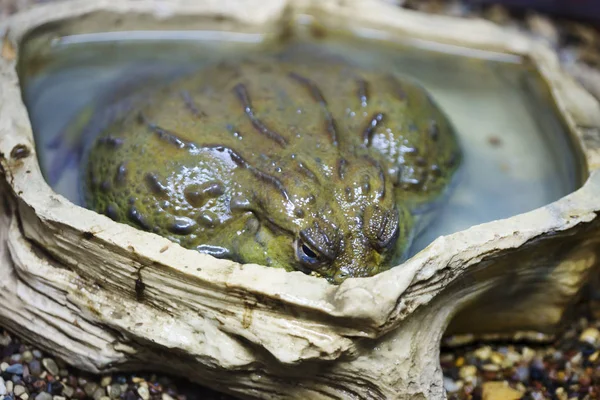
[{"x": 323, "y": 168}]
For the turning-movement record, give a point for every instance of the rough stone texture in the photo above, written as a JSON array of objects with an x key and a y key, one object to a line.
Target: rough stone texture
[{"x": 260, "y": 332}]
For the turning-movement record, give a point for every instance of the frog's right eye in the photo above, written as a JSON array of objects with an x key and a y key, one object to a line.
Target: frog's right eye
[
  {"x": 381, "y": 227},
  {"x": 307, "y": 256}
]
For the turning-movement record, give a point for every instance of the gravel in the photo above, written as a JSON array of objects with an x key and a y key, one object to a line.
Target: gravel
[
  {"x": 568, "y": 368},
  {"x": 18, "y": 382}
]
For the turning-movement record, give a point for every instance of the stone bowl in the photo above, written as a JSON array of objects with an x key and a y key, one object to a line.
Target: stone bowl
[{"x": 104, "y": 296}]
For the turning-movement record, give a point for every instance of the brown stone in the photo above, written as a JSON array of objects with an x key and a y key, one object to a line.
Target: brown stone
[{"x": 500, "y": 391}]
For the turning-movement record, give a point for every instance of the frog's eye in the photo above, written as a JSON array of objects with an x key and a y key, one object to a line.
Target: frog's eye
[
  {"x": 307, "y": 256},
  {"x": 381, "y": 227}
]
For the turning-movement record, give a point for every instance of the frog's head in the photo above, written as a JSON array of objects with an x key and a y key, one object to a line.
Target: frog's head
[
  {"x": 338, "y": 223},
  {"x": 362, "y": 241}
]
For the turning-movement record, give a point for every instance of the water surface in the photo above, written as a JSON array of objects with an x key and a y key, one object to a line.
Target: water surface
[{"x": 517, "y": 156}]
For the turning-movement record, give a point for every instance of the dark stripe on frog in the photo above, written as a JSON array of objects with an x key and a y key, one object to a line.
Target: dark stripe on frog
[
  {"x": 263, "y": 176},
  {"x": 369, "y": 130},
  {"x": 307, "y": 171},
  {"x": 363, "y": 91},
  {"x": 164, "y": 134},
  {"x": 154, "y": 185},
  {"x": 316, "y": 94},
  {"x": 168, "y": 136},
  {"x": 381, "y": 174},
  {"x": 191, "y": 105},
  {"x": 198, "y": 195},
  {"x": 342, "y": 164},
  {"x": 244, "y": 98}
]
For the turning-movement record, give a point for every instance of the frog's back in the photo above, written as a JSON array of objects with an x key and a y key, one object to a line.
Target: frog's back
[{"x": 178, "y": 165}]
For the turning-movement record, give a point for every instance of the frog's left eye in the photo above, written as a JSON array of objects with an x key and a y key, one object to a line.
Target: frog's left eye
[{"x": 307, "y": 256}]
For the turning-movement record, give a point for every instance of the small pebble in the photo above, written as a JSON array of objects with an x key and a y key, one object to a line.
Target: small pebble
[
  {"x": 35, "y": 368},
  {"x": 577, "y": 359},
  {"x": 16, "y": 369},
  {"x": 561, "y": 394},
  {"x": 165, "y": 396},
  {"x": 3, "y": 390},
  {"x": 3, "y": 366},
  {"x": 27, "y": 356},
  {"x": 99, "y": 393},
  {"x": 528, "y": 354},
  {"x": 43, "y": 396},
  {"x": 55, "y": 387},
  {"x": 89, "y": 388},
  {"x": 491, "y": 368},
  {"x": 5, "y": 339},
  {"x": 483, "y": 353},
  {"x": 114, "y": 391},
  {"x": 19, "y": 390},
  {"x": 58, "y": 398},
  {"x": 499, "y": 391},
  {"x": 143, "y": 392},
  {"x": 590, "y": 335},
  {"x": 50, "y": 366},
  {"x": 450, "y": 385},
  {"x": 37, "y": 354},
  {"x": 497, "y": 358},
  {"x": 522, "y": 373},
  {"x": 9, "y": 386},
  {"x": 106, "y": 380},
  {"x": 68, "y": 391},
  {"x": 468, "y": 371}
]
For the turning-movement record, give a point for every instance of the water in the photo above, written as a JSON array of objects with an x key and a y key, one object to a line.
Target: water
[{"x": 516, "y": 153}]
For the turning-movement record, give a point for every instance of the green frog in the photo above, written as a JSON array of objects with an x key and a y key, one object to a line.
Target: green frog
[{"x": 321, "y": 168}]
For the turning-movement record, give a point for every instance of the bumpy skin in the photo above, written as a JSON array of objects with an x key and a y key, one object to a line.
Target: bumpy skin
[{"x": 316, "y": 168}]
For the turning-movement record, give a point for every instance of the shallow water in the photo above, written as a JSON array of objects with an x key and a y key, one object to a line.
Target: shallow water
[{"x": 516, "y": 154}]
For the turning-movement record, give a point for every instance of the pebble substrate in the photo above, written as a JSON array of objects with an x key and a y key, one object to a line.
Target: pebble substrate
[
  {"x": 26, "y": 373},
  {"x": 568, "y": 368}
]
